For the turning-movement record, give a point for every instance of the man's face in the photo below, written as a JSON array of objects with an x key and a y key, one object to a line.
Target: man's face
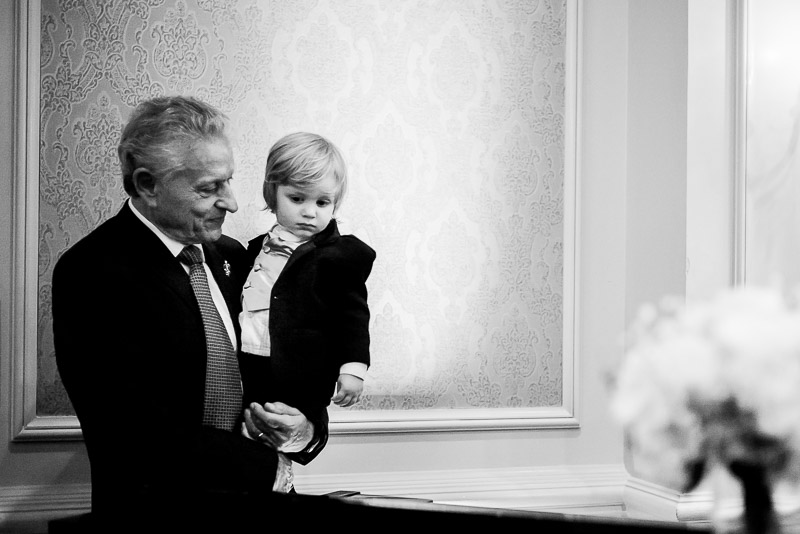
[{"x": 191, "y": 204}]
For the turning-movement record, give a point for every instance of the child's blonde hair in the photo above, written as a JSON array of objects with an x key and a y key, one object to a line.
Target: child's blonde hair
[{"x": 302, "y": 159}]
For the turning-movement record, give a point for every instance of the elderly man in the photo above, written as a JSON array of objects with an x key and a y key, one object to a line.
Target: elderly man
[{"x": 145, "y": 336}]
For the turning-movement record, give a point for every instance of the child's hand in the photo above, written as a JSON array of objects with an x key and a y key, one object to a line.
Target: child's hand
[{"x": 348, "y": 390}]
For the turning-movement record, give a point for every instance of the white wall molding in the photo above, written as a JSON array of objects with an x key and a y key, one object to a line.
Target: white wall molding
[
  {"x": 62, "y": 497},
  {"x": 29, "y": 508},
  {"x": 650, "y": 500},
  {"x": 739, "y": 139},
  {"x": 658, "y": 502},
  {"x": 714, "y": 148},
  {"x": 562, "y": 488}
]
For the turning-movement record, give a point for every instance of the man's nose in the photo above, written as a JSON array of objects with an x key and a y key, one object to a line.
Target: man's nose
[{"x": 227, "y": 200}]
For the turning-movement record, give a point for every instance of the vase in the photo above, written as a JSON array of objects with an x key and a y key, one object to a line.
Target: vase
[
  {"x": 759, "y": 515},
  {"x": 756, "y": 514}
]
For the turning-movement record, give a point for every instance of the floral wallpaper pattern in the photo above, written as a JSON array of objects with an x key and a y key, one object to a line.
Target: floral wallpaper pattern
[{"x": 450, "y": 114}]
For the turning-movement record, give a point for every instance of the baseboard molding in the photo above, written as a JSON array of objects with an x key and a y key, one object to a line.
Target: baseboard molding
[
  {"x": 563, "y": 488},
  {"x": 63, "y": 497},
  {"x": 701, "y": 506},
  {"x": 658, "y": 502},
  {"x": 27, "y": 509}
]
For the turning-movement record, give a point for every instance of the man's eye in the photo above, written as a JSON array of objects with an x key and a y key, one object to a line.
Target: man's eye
[{"x": 214, "y": 187}]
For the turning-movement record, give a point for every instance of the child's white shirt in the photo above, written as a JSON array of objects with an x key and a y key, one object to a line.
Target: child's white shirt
[{"x": 257, "y": 291}]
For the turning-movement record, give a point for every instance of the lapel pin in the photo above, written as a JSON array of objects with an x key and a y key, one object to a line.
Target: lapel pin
[{"x": 226, "y": 267}]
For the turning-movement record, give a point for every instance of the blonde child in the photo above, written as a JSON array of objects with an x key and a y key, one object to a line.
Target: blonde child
[{"x": 304, "y": 304}]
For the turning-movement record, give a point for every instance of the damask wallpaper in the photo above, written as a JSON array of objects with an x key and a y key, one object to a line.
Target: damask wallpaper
[{"x": 450, "y": 114}]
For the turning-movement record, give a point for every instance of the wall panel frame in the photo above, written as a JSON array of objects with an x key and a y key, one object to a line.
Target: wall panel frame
[{"x": 27, "y": 425}]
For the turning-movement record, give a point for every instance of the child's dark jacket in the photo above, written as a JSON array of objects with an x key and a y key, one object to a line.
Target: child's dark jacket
[{"x": 319, "y": 318}]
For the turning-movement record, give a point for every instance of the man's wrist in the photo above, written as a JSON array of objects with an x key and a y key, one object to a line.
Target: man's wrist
[{"x": 302, "y": 441}]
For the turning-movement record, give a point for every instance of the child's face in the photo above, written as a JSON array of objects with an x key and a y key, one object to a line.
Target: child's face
[{"x": 306, "y": 211}]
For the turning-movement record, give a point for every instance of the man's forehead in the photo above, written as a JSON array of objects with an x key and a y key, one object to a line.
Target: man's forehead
[{"x": 211, "y": 154}]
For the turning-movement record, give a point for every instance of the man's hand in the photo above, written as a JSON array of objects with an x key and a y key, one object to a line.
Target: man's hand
[{"x": 280, "y": 426}]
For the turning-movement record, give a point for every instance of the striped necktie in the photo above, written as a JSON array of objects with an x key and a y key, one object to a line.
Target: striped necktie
[{"x": 223, "y": 392}]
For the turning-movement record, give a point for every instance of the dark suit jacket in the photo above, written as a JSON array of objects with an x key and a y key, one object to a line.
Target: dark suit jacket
[
  {"x": 131, "y": 353},
  {"x": 319, "y": 318}
]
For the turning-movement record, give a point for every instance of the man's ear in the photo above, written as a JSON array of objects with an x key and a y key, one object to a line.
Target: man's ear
[{"x": 145, "y": 185}]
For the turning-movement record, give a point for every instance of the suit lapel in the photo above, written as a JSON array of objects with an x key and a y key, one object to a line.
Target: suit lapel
[
  {"x": 325, "y": 237},
  {"x": 154, "y": 259},
  {"x": 299, "y": 252}
]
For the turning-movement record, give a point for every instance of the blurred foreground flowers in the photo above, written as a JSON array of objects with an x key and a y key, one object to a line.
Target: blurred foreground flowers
[{"x": 716, "y": 383}]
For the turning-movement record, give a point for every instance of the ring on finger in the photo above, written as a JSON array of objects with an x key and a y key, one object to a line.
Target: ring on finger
[{"x": 260, "y": 434}]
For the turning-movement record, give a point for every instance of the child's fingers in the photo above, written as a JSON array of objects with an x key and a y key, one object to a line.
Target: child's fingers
[{"x": 345, "y": 398}]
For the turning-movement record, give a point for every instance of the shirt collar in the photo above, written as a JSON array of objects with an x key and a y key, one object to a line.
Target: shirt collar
[
  {"x": 175, "y": 247},
  {"x": 286, "y": 235}
]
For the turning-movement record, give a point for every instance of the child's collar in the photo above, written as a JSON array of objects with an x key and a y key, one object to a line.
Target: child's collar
[{"x": 285, "y": 234}]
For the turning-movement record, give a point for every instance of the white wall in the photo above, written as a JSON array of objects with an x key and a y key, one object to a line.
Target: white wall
[
  {"x": 680, "y": 152},
  {"x": 656, "y": 225},
  {"x": 711, "y": 145}
]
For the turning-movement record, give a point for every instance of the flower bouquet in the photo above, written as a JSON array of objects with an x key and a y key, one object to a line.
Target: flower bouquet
[{"x": 715, "y": 385}]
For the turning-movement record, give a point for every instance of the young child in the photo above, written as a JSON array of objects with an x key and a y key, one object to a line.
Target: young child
[{"x": 304, "y": 304}]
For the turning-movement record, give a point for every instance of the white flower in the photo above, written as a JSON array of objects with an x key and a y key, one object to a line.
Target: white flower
[{"x": 717, "y": 381}]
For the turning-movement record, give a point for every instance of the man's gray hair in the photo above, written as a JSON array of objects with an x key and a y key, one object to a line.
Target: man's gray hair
[{"x": 159, "y": 133}]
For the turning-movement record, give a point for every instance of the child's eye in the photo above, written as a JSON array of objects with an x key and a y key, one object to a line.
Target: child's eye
[
  {"x": 296, "y": 199},
  {"x": 323, "y": 203}
]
